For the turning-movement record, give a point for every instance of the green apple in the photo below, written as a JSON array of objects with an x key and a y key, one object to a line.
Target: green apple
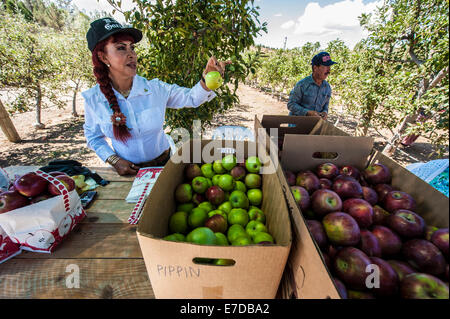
[
  {"x": 239, "y": 199},
  {"x": 209, "y": 180},
  {"x": 213, "y": 80},
  {"x": 253, "y": 180},
  {"x": 178, "y": 223},
  {"x": 200, "y": 184},
  {"x": 240, "y": 186},
  {"x": 242, "y": 241},
  {"x": 202, "y": 235},
  {"x": 238, "y": 216},
  {"x": 255, "y": 196},
  {"x": 226, "y": 207},
  {"x": 253, "y": 164},
  {"x": 183, "y": 193},
  {"x": 226, "y": 182},
  {"x": 175, "y": 237},
  {"x": 197, "y": 217},
  {"x": 229, "y": 161},
  {"x": 215, "y": 179},
  {"x": 253, "y": 227},
  {"x": 206, "y": 206},
  {"x": 218, "y": 168},
  {"x": 221, "y": 239},
  {"x": 257, "y": 214},
  {"x": 235, "y": 231},
  {"x": 207, "y": 170},
  {"x": 218, "y": 212},
  {"x": 263, "y": 236},
  {"x": 224, "y": 262},
  {"x": 227, "y": 196},
  {"x": 186, "y": 207}
]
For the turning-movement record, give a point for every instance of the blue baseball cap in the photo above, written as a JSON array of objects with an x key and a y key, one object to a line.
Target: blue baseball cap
[{"x": 322, "y": 58}]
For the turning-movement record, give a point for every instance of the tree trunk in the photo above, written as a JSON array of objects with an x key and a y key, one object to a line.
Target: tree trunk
[
  {"x": 38, "y": 125},
  {"x": 74, "y": 100},
  {"x": 7, "y": 125}
]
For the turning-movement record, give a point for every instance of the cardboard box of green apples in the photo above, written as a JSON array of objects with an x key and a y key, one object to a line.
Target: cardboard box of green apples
[{"x": 216, "y": 224}]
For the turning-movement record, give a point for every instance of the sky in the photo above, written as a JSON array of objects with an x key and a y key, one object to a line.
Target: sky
[{"x": 291, "y": 23}]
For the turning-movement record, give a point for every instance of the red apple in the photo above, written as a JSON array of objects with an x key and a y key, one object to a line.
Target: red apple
[
  {"x": 12, "y": 200},
  {"x": 351, "y": 171},
  {"x": 377, "y": 174},
  {"x": 327, "y": 170},
  {"x": 341, "y": 229},
  {"x": 360, "y": 210},
  {"x": 40, "y": 198},
  {"x": 198, "y": 198},
  {"x": 429, "y": 231},
  {"x": 340, "y": 287},
  {"x": 325, "y": 183},
  {"x": 401, "y": 268},
  {"x": 308, "y": 180},
  {"x": 390, "y": 242},
  {"x": 350, "y": 266},
  {"x": 347, "y": 187},
  {"x": 370, "y": 195},
  {"x": 382, "y": 190},
  {"x": 388, "y": 279},
  {"x": 440, "y": 240},
  {"x": 423, "y": 286},
  {"x": 325, "y": 201},
  {"x": 290, "y": 178},
  {"x": 380, "y": 215},
  {"x": 68, "y": 182},
  {"x": 406, "y": 223},
  {"x": 424, "y": 256},
  {"x": 318, "y": 233},
  {"x": 239, "y": 172},
  {"x": 396, "y": 200},
  {"x": 217, "y": 223},
  {"x": 30, "y": 184},
  {"x": 369, "y": 244},
  {"x": 191, "y": 171},
  {"x": 215, "y": 195},
  {"x": 301, "y": 197}
]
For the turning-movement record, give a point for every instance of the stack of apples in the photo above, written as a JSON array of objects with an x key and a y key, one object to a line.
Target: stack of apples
[
  {"x": 219, "y": 203},
  {"x": 358, "y": 220},
  {"x": 31, "y": 188}
]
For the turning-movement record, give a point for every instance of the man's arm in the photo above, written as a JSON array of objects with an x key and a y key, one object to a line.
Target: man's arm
[{"x": 294, "y": 103}]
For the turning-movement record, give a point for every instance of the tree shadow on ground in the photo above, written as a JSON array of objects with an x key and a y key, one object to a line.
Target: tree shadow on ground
[{"x": 60, "y": 141}]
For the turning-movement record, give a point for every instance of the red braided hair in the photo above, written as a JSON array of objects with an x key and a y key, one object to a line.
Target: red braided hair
[{"x": 101, "y": 73}]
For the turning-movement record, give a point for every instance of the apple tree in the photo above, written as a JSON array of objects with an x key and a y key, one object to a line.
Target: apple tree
[{"x": 181, "y": 35}]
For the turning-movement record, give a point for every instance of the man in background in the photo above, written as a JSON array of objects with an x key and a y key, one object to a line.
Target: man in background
[{"x": 311, "y": 95}]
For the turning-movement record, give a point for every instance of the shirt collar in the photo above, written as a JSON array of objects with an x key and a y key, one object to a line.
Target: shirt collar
[
  {"x": 311, "y": 80},
  {"x": 139, "y": 87}
]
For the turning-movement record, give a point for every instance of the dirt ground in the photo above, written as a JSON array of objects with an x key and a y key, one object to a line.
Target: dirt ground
[{"x": 63, "y": 136}]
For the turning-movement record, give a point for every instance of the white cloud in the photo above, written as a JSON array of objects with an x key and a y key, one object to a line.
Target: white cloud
[
  {"x": 288, "y": 24},
  {"x": 278, "y": 15},
  {"x": 338, "y": 20},
  {"x": 103, "y": 5}
]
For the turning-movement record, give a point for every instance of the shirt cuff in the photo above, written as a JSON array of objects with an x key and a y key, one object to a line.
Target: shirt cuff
[{"x": 202, "y": 94}]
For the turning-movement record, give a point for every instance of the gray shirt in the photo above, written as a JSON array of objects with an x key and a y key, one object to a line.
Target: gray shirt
[{"x": 308, "y": 96}]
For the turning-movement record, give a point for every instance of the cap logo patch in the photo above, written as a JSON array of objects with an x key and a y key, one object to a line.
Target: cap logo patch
[
  {"x": 112, "y": 26},
  {"x": 326, "y": 58}
]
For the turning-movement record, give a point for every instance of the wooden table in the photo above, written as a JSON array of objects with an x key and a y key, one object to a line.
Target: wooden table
[{"x": 104, "y": 247}]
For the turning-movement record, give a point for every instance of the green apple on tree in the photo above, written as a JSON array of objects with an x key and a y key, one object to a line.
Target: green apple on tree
[
  {"x": 213, "y": 80},
  {"x": 178, "y": 223}
]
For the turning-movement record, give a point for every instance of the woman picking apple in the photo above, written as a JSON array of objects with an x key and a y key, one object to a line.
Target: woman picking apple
[{"x": 129, "y": 109}]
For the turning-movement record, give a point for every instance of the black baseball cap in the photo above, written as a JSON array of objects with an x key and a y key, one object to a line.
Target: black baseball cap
[
  {"x": 103, "y": 28},
  {"x": 322, "y": 58}
]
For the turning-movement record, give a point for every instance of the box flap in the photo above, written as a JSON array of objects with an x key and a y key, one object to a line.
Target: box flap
[{"x": 298, "y": 151}]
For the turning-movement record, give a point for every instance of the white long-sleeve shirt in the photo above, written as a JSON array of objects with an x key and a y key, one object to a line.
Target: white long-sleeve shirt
[{"x": 145, "y": 110}]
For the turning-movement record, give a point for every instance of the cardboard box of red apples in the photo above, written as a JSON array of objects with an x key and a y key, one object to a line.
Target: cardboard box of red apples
[
  {"x": 364, "y": 227},
  {"x": 37, "y": 212},
  {"x": 180, "y": 269}
]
